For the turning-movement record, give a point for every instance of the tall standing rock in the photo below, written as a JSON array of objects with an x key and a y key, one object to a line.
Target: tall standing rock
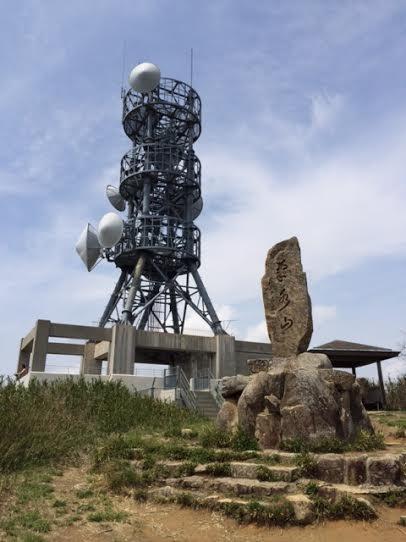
[{"x": 288, "y": 309}]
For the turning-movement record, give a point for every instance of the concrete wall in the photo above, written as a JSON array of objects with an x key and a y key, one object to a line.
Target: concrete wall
[{"x": 245, "y": 350}]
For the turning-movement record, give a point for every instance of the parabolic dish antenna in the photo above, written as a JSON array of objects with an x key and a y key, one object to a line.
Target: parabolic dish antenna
[
  {"x": 115, "y": 198},
  {"x": 197, "y": 208},
  {"x": 144, "y": 77},
  {"x": 88, "y": 247},
  {"x": 110, "y": 230}
]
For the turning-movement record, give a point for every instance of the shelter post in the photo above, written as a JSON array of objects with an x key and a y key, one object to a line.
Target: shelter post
[{"x": 381, "y": 384}]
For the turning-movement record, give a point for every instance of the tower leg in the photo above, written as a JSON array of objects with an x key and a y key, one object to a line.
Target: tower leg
[
  {"x": 147, "y": 310},
  {"x": 174, "y": 310},
  {"x": 216, "y": 324},
  {"x": 126, "y": 314},
  {"x": 115, "y": 296}
]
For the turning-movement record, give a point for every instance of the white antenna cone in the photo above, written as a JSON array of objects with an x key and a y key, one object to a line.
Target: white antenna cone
[
  {"x": 110, "y": 230},
  {"x": 88, "y": 247},
  {"x": 144, "y": 77},
  {"x": 115, "y": 198}
]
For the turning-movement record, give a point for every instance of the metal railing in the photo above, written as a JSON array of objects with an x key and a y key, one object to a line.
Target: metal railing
[
  {"x": 174, "y": 377},
  {"x": 205, "y": 381}
]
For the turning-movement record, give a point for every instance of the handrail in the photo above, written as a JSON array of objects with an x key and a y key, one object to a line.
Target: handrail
[
  {"x": 174, "y": 377},
  {"x": 187, "y": 395}
]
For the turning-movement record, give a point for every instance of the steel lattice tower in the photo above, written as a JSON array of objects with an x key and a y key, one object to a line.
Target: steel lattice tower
[{"x": 160, "y": 181}]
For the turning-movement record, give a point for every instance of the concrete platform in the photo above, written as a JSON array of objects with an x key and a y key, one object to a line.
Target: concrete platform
[{"x": 122, "y": 346}]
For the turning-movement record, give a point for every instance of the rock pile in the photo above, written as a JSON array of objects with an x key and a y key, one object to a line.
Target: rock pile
[{"x": 297, "y": 394}]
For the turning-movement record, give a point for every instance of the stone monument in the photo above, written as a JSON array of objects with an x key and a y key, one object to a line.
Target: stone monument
[{"x": 296, "y": 394}]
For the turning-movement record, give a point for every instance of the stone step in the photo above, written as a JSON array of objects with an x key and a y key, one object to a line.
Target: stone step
[
  {"x": 227, "y": 485},
  {"x": 335, "y": 491},
  {"x": 252, "y": 471},
  {"x": 301, "y": 504}
]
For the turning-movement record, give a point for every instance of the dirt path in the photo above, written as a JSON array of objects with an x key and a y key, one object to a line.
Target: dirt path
[
  {"x": 159, "y": 523},
  {"x": 149, "y": 522}
]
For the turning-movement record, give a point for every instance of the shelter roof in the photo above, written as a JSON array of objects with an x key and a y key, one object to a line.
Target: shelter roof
[{"x": 348, "y": 354}]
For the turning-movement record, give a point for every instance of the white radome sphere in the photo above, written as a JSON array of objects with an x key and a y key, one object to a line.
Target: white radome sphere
[
  {"x": 110, "y": 230},
  {"x": 144, "y": 77}
]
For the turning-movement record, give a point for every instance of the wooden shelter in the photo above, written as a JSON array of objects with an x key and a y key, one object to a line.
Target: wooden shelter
[{"x": 348, "y": 355}]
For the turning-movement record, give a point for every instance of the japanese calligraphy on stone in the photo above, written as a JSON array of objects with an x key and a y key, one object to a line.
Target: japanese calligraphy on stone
[{"x": 286, "y": 300}]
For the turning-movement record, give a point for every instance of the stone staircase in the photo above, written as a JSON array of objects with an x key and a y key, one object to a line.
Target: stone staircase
[
  {"x": 272, "y": 481},
  {"x": 206, "y": 404}
]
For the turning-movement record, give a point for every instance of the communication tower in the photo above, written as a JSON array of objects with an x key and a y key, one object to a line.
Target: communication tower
[{"x": 156, "y": 245}]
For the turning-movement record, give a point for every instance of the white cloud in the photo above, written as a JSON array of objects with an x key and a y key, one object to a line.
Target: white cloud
[
  {"x": 323, "y": 314},
  {"x": 257, "y": 333},
  {"x": 345, "y": 208},
  {"x": 325, "y": 110}
]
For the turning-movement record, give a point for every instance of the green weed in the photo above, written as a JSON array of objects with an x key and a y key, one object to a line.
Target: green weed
[
  {"x": 219, "y": 469},
  {"x": 307, "y": 465},
  {"x": 265, "y": 475},
  {"x": 107, "y": 516}
]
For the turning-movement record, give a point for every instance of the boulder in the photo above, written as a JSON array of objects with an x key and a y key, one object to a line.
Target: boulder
[
  {"x": 309, "y": 360},
  {"x": 233, "y": 386},
  {"x": 227, "y": 417},
  {"x": 252, "y": 401},
  {"x": 267, "y": 430},
  {"x": 383, "y": 470},
  {"x": 296, "y": 394},
  {"x": 286, "y": 300},
  {"x": 308, "y": 407},
  {"x": 355, "y": 472},
  {"x": 272, "y": 403},
  {"x": 257, "y": 365}
]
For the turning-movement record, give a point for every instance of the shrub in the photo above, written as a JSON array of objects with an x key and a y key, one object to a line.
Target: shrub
[{"x": 396, "y": 393}]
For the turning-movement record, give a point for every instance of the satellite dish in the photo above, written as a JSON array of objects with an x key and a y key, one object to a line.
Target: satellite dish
[
  {"x": 88, "y": 247},
  {"x": 197, "y": 208},
  {"x": 144, "y": 77},
  {"x": 110, "y": 230},
  {"x": 115, "y": 198}
]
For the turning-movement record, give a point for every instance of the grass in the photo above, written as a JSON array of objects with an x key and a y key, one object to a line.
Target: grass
[
  {"x": 212, "y": 437},
  {"x": 394, "y": 499},
  {"x": 51, "y": 421},
  {"x": 345, "y": 508},
  {"x": 278, "y": 511},
  {"x": 219, "y": 469},
  {"x": 364, "y": 442},
  {"x": 311, "y": 489},
  {"x": 265, "y": 475},
  {"x": 307, "y": 465},
  {"x": 107, "y": 516}
]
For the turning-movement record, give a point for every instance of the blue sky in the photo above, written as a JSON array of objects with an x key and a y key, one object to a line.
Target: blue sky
[{"x": 304, "y": 133}]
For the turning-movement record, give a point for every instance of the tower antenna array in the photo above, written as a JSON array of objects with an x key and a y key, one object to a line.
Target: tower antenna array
[{"x": 157, "y": 245}]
